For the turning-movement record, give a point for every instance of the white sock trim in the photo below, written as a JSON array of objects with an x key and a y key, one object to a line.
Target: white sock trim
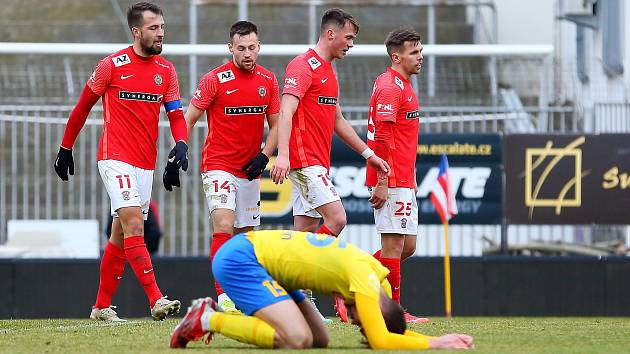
[{"x": 205, "y": 320}]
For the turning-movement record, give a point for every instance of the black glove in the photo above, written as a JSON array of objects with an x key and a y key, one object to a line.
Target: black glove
[
  {"x": 64, "y": 163},
  {"x": 256, "y": 166},
  {"x": 179, "y": 155},
  {"x": 171, "y": 176}
]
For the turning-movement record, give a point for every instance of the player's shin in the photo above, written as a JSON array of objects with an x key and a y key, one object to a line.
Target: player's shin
[
  {"x": 393, "y": 264},
  {"x": 112, "y": 268},
  {"x": 218, "y": 239},
  {"x": 140, "y": 261},
  {"x": 245, "y": 329}
]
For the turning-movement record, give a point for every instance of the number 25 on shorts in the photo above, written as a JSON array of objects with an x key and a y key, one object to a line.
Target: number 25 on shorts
[{"x": 274, "y": 288}]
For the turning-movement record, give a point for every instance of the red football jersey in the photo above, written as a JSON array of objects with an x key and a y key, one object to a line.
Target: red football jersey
[
  {"x": 311, "y": 79},
  {"x": 132, "y": 89},
  {"x": 236, "y": 103},
  {"x": 394, "y": 100}
]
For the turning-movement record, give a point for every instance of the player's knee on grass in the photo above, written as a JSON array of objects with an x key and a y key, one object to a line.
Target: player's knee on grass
[
  {"x": 294, "y": 338},
  {"x": 321, "y": 340}
]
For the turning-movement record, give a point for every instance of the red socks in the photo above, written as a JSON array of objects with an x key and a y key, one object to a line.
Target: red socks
[
  {"x": 393, "y": 264},
  {"x": 112, "y": 268},
  {"x": 140, "y": 261},
  {"x": 325, "y": 230},
  {"x": 218, "y": 239}
]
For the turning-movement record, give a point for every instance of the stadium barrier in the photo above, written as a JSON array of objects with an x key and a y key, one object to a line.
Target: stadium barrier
[{"x": 481, "y": 286}]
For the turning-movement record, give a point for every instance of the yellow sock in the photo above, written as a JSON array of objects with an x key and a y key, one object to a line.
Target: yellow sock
[{"x": 245, "y": 329}]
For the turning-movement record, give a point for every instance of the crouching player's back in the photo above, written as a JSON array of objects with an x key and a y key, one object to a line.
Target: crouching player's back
[{"x": 262, "y": 272}]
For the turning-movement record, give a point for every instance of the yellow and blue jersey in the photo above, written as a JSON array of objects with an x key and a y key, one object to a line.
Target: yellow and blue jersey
[{"x": 325, "y": 264}]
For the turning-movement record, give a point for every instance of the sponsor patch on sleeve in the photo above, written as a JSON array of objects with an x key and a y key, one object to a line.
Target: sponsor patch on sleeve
[
  {"x": 314, "y": 63},
  {"x": 121, "y": 60},
  {"x": 225, "y": 76}
]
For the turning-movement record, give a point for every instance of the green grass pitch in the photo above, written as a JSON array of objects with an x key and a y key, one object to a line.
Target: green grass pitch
[{"x": 492, "y": 335}]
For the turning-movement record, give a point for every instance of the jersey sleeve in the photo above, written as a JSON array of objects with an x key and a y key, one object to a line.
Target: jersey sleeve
[
  {"x": 297, "y": 78},
  {"x": 387, "y": 103},
  {"x": 206, "y": 90},
  {"x": 172, "y": 92},
  {"x": 274, "y": 103},
  {"x": 101, "y": 77}
]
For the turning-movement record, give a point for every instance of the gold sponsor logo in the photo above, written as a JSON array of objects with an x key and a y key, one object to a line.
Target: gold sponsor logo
[{"x": 540, "y": 162}]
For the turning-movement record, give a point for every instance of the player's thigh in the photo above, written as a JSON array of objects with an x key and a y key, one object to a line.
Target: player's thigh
[
  {"x": 392, "y": 245},
  {"x": 314, "y": 187},
  {"x": 222, "y": 220},
  {"x": 220, "y": 190},
  {"x": 399, "y": 214},
  {"x": 247, "y": 203},
  {"x": 287, "y": 319}
]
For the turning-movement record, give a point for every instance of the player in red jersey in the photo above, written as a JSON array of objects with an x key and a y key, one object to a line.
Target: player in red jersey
[
  {"x": 393, "y": 121},
  {"x": 309, "y": 114},
  {"x": 237, "y": 97},
  {"x": 133, "y": 83}
]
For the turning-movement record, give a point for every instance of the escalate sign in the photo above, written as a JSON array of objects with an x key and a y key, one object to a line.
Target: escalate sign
[{"x": 475, "y": 173}]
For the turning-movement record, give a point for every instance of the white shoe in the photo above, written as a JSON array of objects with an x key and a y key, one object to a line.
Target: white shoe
[
  {"x": 106, "y": 314},
  {"x": 164, "y": 307},
  {"x": 309, "y": 296},
  {"x": 227, "y": 305}
]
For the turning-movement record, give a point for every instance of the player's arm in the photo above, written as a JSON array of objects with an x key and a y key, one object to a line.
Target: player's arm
[
  {"x": 272, "y": 138},
  {"x": 380, "y": 338},
  {"x": 288, "y": 106},
  {"x": 93, "y": 90},
  {"x": 192, "y": 117},
  {"x": 344, "y": 130},
  {"x": 376, "y": 331},
  {"x": 178, "y": 157}
]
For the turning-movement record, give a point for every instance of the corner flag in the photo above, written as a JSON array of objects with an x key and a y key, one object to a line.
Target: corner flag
[{"x": 442, "y": 193}]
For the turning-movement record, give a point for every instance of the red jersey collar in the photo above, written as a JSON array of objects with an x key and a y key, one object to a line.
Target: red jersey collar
[
  {"x": 241, "y": 71},
  {"x": 397, "y": 74},
  {"x": 139, "y": 57}
]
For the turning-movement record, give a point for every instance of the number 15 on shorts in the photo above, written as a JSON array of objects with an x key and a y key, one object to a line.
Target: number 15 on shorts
[{"x": 275, "y": 288}]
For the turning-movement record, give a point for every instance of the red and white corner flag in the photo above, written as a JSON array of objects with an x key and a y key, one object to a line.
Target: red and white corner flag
[{"x": 442, "y": 193}]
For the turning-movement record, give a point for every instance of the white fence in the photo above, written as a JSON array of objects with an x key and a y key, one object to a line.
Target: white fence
[{"x": 29, "y": 188}]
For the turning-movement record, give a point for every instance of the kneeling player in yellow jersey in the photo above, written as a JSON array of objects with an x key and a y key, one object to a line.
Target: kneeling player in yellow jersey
[{"x": 262, "y": 272}]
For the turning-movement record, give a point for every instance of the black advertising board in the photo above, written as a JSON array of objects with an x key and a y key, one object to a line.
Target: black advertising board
[
  {"x": 567, "y": 179},
  {"x": 475, "y": 172}
]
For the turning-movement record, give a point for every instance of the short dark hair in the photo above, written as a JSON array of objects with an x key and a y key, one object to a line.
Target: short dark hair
[
  {"x": 396, "y": 39},
  {"x": 393, "y": 314},
  {"x": 243, "y": 28},
  {"x": 135, "y": 11},
  {"x": 337, "y": 18}
]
